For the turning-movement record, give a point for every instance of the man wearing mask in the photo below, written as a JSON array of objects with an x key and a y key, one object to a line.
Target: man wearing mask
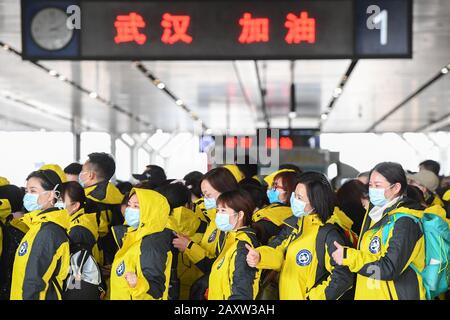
[{"x": 103, "y": 199}]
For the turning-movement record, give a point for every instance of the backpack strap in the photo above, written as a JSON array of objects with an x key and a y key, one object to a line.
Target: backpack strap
[
  {"x": 392, "y": 219},
  {"x": 322, "y": 273}
]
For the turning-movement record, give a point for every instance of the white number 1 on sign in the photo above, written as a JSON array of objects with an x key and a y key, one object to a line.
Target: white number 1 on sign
[{"x": 378, "y": 20}]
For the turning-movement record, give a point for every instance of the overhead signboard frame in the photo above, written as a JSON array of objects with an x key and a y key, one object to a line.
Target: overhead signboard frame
[{"x": 216, "y": 29}]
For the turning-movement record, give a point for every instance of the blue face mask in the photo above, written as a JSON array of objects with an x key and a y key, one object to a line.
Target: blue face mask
[
  {"x": 210, "y": 203},
  {"x": 376, "y": 196},
  {"x": 132, "y": 217},
  {"x": 223, "y": 222},
  {"x": 273, "y": 195},
  {"x": 298, "y": 207},
  {"x": 81, "y": 182},
  {"x": 30, "y": 202}
]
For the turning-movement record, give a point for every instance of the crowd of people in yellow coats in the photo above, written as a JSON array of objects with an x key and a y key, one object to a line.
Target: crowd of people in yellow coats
[{"x": 228, "y": 234}]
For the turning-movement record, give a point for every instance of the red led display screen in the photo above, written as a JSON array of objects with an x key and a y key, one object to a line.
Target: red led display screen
[{"x": 217, "y": 29}]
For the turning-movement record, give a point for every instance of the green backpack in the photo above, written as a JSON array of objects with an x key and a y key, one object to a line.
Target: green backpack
[{"x": 436, "y": 274}]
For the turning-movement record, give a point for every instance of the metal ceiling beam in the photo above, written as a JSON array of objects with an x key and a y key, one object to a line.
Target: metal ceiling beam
[
  {"x": 78, "y": 86},
  {"x": 417, "y": 92}
]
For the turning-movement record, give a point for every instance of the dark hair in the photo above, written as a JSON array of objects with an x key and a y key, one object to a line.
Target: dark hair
[
  {"x": 258, "y": 194},
  {"x": 414, "y": 193},
  {"x": 126, "y": 198},
  {"x": 48, "y": 179},
  {"x": 238, "y": 200},
  {"x": 432, "y": 166},
  {"x": 14, "y": 195},
  {"x": 320, "y": 194},
  {"x": 291, "y": 167},
  {"x": 289, "y": 180},
  {"x": 349, "y": 198},
  {"x": 73, "y": 168},
  {"x": 393, "y": 173},
  {"x": 177, "y": 194},
  {"x": 192, "y": 182},
  {"x": 248, "y": 170},
  {"x": 221, "y": 179},
  {"x": 103, "y": 165},
  {"x": 364, "y": 174},
  {"x": 124, "y": 186},
  {"x": 250, "y": 181},
  {"x": 74, "y": 191}
]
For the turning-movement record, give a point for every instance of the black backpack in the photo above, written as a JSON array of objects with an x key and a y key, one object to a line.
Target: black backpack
[{"x": 320, "y": 253}]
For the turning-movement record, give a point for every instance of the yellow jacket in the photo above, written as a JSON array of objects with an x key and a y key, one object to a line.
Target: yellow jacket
[
  {"x": 294, "y": 255},
  {"x": 388, "y": 258},
  {"x": 275, "y": 213},
  {"x": 5, "y": 211},
  {"x": 104, "y": 199},
  {"x": 43, "y": 257},
  {"x": 146, "y": 251},
  {"x": 201, "y": 253},
  {"x": 446, "y": 196},
  {"x": 433, "y": 200},
  {"x": 269, "y": 220},
  {"x": 342, "y": 220},
  {"x": 231, "y": 278},
  {"x": 83, "y": 230},
  {"x": 184, "y": 221}
]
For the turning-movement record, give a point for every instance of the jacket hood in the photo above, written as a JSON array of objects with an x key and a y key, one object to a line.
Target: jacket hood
[
  {"x": 234, "y": 171},
  {"x": 87, "y": 220},
  {"x": 154, "y": 212},
  {"x": 275, "y": 212},
  {"x": 341, "y": 219},
  {"x": 104, "y": 192},
  {"x": 269, "y": 179},
  {"x": 56, "y": 169},
  {"x": 183, "y": 221}
]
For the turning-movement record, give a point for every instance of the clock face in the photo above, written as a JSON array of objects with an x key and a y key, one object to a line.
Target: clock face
[{"x": 49, "y": 30}]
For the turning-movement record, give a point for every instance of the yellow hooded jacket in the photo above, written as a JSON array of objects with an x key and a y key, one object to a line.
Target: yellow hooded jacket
[
  {"x": 146, "y": 251},
  {"x": 342, "y": 220},
  {"x": 231, "y": 278},
  {"x": 270, "y": 219},
  {"x": 43, "y": 257},
  {"x": 293, "y": 253},
  {"x": 388, "y": 259},
  {"x": 104, "y": 199},
  {"x": 5, "y": 211},
  {"x": 83, "y": 230},
  {"x": 184, "y": 221}
]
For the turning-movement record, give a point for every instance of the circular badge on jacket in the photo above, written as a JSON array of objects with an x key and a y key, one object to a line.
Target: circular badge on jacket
[
  {"x": 375, "y": 245},
  {"x": 120, "y": 269},
  {"x": 212, "y": 237},
  {"x": 23, "y": 249},
  {"x": 304, "y": 258}
]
